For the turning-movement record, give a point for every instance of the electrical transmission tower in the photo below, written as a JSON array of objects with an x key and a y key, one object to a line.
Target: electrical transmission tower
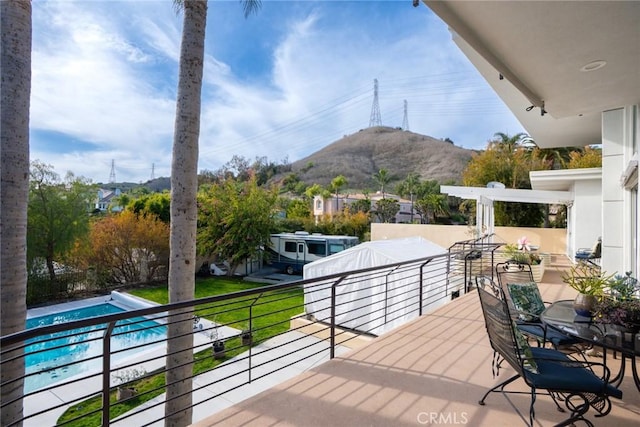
[
  {"x": 112, "y": 175},
  {"x": 405, "y": 120},
  {"x": 375, "y": 119},
  {"x": 153, "y": 171}
]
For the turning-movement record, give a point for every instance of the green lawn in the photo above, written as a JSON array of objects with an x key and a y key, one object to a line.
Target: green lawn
[{"x": 270, "y": 313}]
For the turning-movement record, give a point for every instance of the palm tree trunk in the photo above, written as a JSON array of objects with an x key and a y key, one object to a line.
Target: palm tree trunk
[
  {"x": 184, "y": 185},
  {"x": 15, "y": 64}
]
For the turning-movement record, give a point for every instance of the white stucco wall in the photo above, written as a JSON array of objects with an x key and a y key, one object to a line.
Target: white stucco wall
[
  {"x": 586, "y": 223},
  {"x": 551, "y": 240},
  {"x": 619, "y": 131}
]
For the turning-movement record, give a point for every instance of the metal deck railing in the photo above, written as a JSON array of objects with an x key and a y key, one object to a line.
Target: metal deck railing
[
  {"x": 476, "y": 255},
  {"x": 337, "y": 309}
]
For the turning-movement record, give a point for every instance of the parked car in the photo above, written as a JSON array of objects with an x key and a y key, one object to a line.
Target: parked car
[{"x": 218, "y": 269}]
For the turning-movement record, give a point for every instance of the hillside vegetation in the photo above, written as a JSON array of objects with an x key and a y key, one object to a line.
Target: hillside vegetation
[{"x": 360, "y": 155}]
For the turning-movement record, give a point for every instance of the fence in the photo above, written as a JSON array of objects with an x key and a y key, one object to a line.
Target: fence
[
  {"x": 73, "y": 284},
  {"x": 77, "y": 367}
]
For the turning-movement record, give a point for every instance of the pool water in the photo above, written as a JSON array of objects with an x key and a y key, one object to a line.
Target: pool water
[{"x": 76, "y": 344}]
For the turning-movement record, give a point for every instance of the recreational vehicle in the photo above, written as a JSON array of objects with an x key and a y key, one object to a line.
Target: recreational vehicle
[{"x": 290, "y": 251}]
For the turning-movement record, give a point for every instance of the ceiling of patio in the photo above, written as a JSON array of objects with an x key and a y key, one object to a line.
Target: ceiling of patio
[{"x": 552, "y": 53}]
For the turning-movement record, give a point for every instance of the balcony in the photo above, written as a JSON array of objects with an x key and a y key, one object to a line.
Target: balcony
[{"x": 431, "y": 370}]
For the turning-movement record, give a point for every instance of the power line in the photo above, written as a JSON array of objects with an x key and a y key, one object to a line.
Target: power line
[{"x": 457, "y": 93}]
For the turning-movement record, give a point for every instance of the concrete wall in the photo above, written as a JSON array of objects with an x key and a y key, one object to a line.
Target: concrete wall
[{"x": 552, "y": 240}]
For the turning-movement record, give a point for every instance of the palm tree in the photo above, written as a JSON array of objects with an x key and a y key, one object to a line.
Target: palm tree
[
  {"x": 336, "y": 184},
  {"x": 410, "y": 186},
  {"x": 432, "y": 206},
  {"x": 382, "y": 178},
  {"x": 15, "y": 65},
  {"x": 184, "y": 186},
  {"x": 506, "y": 143}
]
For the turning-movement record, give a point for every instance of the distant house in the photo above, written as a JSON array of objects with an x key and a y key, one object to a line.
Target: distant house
[
  {"x": 105, "y": 200},
  {"x": 330, "y": 206}
]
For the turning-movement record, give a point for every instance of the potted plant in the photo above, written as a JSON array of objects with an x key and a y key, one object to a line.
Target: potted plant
[
  {"x": 217, "y": 343},
  {"x": 589, "y": 283},
  {"x": 516, "y": 255},
  {"x": 246, "y": 335},
  {"x": 520, "y": 253},
  {"x": 125, "y": 378},
  {"x": 620, "y": 306}
]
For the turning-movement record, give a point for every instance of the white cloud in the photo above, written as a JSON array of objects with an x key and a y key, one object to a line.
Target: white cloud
[
  {"x": 105, "y": 76},
  {"x": 89, "y": 83}
]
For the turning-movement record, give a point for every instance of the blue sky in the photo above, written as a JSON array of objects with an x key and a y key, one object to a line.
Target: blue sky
[{"x": 282, "y": 84}]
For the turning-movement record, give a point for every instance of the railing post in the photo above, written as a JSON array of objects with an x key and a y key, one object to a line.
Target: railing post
[
  {"x": 420, "y": 290},
  {"x": 251, "y": 337},
  {"x": 421, "y": 287},
  {"x": 106, "y": 373},
  {"x": 251, "y": 330},
  {"x": 386, "y": 292},
  {"x": 332, "y": 338},
  {"x": 332, "y": 342}
]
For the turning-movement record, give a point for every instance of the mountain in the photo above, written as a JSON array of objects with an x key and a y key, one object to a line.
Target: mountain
[
  {"x": 360, "y": 155},
  {"x": 364, "y": 153},
  {"x": 156, "y": 185}
]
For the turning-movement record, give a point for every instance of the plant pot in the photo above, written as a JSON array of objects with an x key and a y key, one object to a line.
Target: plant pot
[
  {"x": 247, "y": 339},
  {"x": 218, "y": 350},
  {"x": 123, "y": 393},
  {"x": 584, "y": 305},
  {"x": 538, "y": 271}
]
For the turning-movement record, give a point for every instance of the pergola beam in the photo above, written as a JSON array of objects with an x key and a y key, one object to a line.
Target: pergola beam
[
  {"x": 509, "y": 194},
  {"x": 484, "y": 197}
]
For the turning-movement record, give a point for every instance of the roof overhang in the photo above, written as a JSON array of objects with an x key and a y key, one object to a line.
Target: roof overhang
[
  {"x": 562, "y": 179},
  {"x": 573, "y": 60},
  {"x": 509, "y": 194}
]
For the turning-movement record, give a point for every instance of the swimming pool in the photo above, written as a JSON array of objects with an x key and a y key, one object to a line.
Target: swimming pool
[{"x": 77, "y": 345}]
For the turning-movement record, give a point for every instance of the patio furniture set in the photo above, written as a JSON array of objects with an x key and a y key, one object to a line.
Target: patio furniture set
[{"x": 555, "y": 363}]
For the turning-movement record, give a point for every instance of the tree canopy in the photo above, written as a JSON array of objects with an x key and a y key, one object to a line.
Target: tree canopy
[
  {"x": 58, "y": 214},
  {"x": 128, "y": 248},
  {"x": 382, "y": 178},
  {"x": 235, "y": 220},
  {"x": 386, "y": 210},
  {"x": 508, "y": 160},
  {"x": 158, "y": 204}
]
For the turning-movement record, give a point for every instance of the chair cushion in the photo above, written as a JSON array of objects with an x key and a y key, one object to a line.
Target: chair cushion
[
  {"x": 526, "y": 352},
  {"x": 559, "y": 377},
  {"x": 558, "y": 339},
  {"x": 526, "y": 299}
]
